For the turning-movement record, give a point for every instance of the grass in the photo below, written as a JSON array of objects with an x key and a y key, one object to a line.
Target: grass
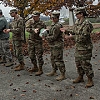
[
  {"x": 96, "y": 30},
  {"x": 26, "y": 34}
]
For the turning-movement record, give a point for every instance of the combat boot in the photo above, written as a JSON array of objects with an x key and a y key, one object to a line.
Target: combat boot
[
  {"x": 20, "y": 67},
  {"x": 40, "y": 72},
  {"x": 79, "y": 79},
  {"x": 10, "y": 63},
  {"x": 61, "y": 77},
  {"x": 52, "y": 73},
  {"x": 34, "y": 69},
  {"x": 90, "y": 82},
  {"x": 17, "y": 66}
]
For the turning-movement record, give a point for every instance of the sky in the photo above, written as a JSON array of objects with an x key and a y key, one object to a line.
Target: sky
[
  {"x": 5, "y": 10},
  {"x": 64, "y": 11}
]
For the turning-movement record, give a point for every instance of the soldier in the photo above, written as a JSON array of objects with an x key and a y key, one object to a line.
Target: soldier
[
  {"x": 4, "y": 42},
  {"x": 35, "y": 43},
  {"x": 55, "y": 39},
  {"x": 17, "y": 30},
  {"x": 83, "y": 50}
]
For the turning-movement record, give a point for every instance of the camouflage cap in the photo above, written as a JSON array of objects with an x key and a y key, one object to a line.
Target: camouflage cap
[
  {"x": 55, "y": 14},
  {"x": 13, "y": 10},
  {"x": 36, "y": 13},
  {"x": 81, "y": 10}
]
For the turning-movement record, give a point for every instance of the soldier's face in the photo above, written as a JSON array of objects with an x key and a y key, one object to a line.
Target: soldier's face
[
  {"x": 12, "y": 14},
  {"x": 54, "y": 19},
  {"x": 36, "y": 18},
  {"x": 79, "y": 15}
]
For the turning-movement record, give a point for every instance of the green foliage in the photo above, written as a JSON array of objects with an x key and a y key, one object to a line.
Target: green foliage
[
  {"x": 26, "y": 34},
  {"x": 66, "y": 21},
  {"x": 48, "y": 23},
  {"x": 10, "y": 35},
  {"x": 94, "y": 20},
  {"x": 96, "y": 30}
]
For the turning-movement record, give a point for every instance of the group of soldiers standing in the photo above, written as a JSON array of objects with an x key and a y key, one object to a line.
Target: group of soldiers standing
[{"x": 54, "y": 36}]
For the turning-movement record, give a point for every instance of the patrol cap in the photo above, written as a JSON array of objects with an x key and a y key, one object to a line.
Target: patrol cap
[
  {"x": 55, "y": 14},
  {"x": 81, "y": 10},
  {"x": 36, "y": 13},
  {"x": 13, "y": 10}
]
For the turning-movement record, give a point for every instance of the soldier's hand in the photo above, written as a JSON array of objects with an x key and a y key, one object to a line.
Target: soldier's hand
[
  {"x": 62, "y": 29},
  {"x": 36, "y": 30},
  {"x": 6, "y": 30}
]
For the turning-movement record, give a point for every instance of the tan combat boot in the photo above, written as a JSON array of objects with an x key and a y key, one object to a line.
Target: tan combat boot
[
  {"x": 17, "y": 66},
  {"x": 61, "y": 77},
  {"x": 20, "y": 67},
  {"x": 79, "y": 79},
  {"x": 40, "y": 72},
  {"x": 34, "y": 69},
  {"x": 90, "y": 82},
  {"x": 52, "y": 73}
]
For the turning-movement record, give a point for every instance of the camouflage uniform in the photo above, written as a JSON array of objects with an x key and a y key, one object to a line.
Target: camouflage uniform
[
  {"x": 17, "y": 36},
  {"x": 83, "y": 50},
  {"x": 55, "y": 40},
  {"x": 4, "y": 42},
  {"x": 35, "y": 42}
]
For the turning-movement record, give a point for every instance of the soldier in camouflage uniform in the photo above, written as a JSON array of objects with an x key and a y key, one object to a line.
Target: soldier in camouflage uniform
[
  {"x": 17, "y": 30},
  {"x": 83, "y": 51},
  {"x": 55, "y": 40},
  {"x": 35, "y": 43},
  {"x": 4, "y": 42}
]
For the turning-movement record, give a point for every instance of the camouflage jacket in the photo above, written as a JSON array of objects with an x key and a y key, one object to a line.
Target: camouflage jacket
[
  {"x": 17, "y": 28},
  {"x": 31, "y": 26},
  {"x": 82, "y": 31},
  {"x": 3, "y": 25},
  {"x": 55, "y": 37}
]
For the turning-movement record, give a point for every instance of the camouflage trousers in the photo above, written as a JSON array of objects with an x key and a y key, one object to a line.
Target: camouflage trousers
[
  {"x": 36, "y": 53},
  {"x": 57, "y": 59},
  {"x": 82, "y": 60},
  {"x": 18, "y": 52},
  {"x": 5, "y": 49}
]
